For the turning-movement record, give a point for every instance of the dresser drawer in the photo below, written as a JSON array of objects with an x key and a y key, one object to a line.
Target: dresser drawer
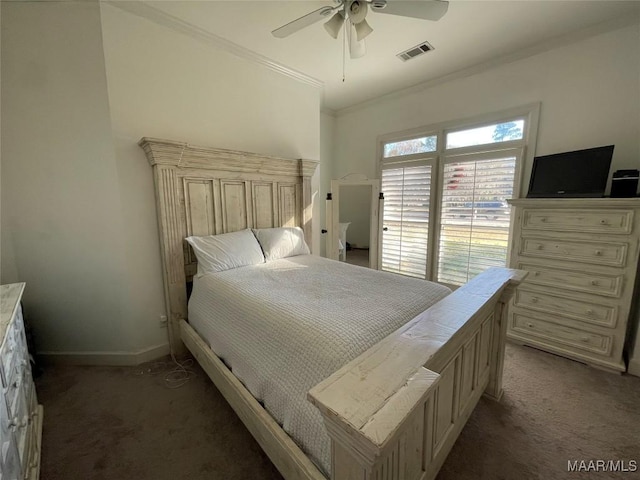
[
  {"x": 596, "y": 283},
  {"x": 536, "y": 327},
  {"x": 11, "y": 468},
  {"x": 28, "y": 386},
  {"x": 11, "y": 390},
  {"x": 7, "y": 355},
  {"x": 20, "y": 416},
  {"x": 577, "y": 220},
  {"x": 600, "y": 253},
  {"x": 582, "y": 310},
  {"x": 20, "y": 336},
  {"x": 5, "y": 431}
]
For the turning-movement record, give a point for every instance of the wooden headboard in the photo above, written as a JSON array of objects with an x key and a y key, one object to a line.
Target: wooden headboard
[{"x": 208, "y": 191}]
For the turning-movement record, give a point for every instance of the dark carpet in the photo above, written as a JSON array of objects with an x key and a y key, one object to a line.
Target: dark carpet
[{"x": 108, "y": 423}]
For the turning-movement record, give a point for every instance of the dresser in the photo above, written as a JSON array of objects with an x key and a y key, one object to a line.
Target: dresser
[
  {"x": 582, "y": 259},
  {"x": 20, "y": 414}
]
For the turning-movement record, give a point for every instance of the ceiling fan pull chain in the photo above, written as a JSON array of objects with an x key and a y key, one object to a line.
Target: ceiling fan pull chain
[{"x": 344, "y": 49}]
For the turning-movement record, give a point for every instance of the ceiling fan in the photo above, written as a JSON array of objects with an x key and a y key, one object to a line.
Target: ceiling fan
[{"x": 352, "y": 14}]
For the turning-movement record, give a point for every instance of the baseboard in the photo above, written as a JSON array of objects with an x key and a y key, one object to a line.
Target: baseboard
[
  {"x": 116, "y": 359},
  {"x": 634, "y": 367}
]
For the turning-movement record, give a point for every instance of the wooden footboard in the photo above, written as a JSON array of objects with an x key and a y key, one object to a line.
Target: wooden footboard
[
  {"x": 395, "y": 411},
  {"x": 292, "y": 463}
]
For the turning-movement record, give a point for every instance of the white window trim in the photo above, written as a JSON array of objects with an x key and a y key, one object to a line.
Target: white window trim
[
  {"x": 530, "y": 112},
  {"x": 523, "y": 149}
]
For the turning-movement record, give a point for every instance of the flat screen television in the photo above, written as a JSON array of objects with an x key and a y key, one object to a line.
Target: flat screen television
[{"x": 582, "y": 173}]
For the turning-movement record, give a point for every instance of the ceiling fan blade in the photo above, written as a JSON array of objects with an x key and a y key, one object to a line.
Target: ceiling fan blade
[
  {"x": 426, "y": 9},
  {"x": 300, "y": 23},
  {"x": 357, "y": 49}
]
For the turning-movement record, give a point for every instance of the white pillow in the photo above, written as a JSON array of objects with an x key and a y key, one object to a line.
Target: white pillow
[
  {"x": 217, "y": 253},
  {"x": 281, "y": 242}
]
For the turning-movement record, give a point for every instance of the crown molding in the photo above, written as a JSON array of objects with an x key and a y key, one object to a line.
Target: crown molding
[
  {"x": 328, "y": 111},
  {"x": 545, "y": 46},
  {"x": 153, "y": 14}
]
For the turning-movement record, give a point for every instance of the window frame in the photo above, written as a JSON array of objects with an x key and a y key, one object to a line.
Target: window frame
[{"x": 524, "y": 147}]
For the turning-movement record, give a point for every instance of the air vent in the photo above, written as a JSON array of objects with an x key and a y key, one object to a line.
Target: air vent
[{"x": 416, "y": 51}]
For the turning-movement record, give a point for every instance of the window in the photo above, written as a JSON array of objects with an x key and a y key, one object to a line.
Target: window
[
  {"x": 445, "y": 212},
  {"x": 500, "y": 132},
  {"x": 408, "y": 147},
  {"x": 474, "y": 221}
]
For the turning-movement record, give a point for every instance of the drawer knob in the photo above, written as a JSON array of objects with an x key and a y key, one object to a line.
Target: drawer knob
[
  {"x": 530, "y": 325},
  {"x": 585, "y": 339},
  {"x": 598, "y": 252},
  {"x": 536, "y": 274},
  {"x": 534, "y": 299},
  {"x": 15, "y": 424},
  {"x": 540, "y": 247},
  {"x": 594, "y": 282},
  {"x": 589, "y": 312},
  {"x": 603, "y": 222},
  {"x": 543, "y": 219}
]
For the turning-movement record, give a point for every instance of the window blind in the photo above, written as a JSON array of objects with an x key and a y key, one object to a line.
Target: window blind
[
  {"x": 405, "y": 233},
  {"x": 474, "y": 224}
]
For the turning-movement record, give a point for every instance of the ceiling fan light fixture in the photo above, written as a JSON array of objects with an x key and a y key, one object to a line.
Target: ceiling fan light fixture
[
  {"x": 363, "y": 29},
  {"x": 334, "y": 25},
  {"x": 357, "y": 11}
]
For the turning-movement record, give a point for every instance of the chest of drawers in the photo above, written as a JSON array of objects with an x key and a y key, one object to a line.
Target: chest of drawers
[
  {"x": 582, "y": 259},
  {"x": 20, "y": 414}
]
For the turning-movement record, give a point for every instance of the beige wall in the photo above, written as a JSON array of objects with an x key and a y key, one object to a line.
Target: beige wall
[
  {"x": 84, "y": 85},
  {"x": 588, "y": 91},
  {"x": 8, "y": 269},
  {"x": 61, "y": 208},
  {"x": 168, "y": 85}
]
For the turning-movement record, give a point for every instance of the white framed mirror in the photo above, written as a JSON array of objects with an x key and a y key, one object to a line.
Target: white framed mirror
[{"x": 353, "y": 220}]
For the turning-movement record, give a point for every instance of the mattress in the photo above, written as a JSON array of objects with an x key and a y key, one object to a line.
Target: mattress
[{"x": 284, "y": 326}]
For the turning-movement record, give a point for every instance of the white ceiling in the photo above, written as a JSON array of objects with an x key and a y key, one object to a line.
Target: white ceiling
[{"x": 471, "y": 33}]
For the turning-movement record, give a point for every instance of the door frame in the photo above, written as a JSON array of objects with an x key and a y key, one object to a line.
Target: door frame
[{"x": 333, "y": 215}]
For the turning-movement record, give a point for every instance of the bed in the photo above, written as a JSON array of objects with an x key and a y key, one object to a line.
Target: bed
[{"x": 395, "y": 409}]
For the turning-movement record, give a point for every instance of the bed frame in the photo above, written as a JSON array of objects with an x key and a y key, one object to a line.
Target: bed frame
[{"x": 392, "y": 413}]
